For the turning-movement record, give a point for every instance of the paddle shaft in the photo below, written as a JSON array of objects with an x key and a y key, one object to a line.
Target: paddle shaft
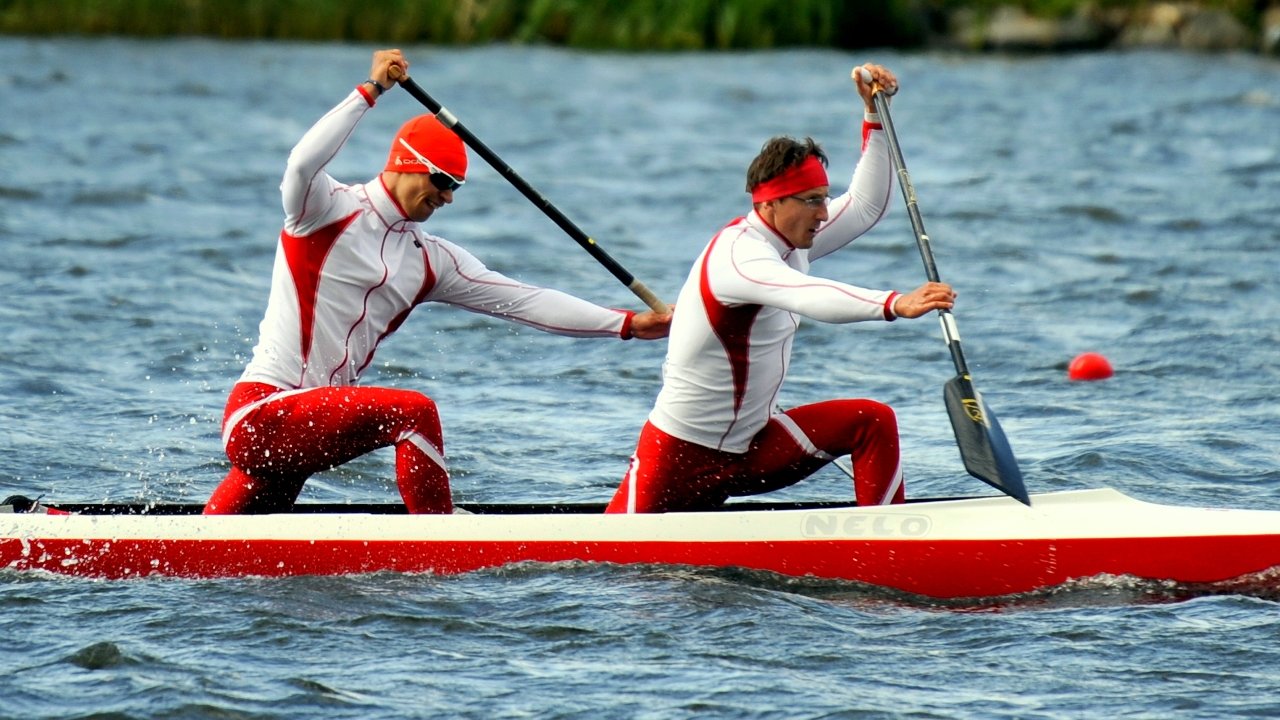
[
  {"x": 949, "y": 329},
  {"x": 449, "y": 120},
  {"x": 979, "y": 437}
]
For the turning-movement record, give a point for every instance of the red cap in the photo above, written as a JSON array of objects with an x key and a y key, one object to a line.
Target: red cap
[{"x": 434, "y": 142}]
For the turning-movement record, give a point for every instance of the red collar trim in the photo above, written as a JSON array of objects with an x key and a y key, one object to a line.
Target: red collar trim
[
  {"x": 403, "y": 215},
  {"x": 774, "y": 230}
]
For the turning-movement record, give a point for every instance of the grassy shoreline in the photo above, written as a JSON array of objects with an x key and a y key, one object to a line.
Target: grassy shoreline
[{"x": 593, "y": 24}]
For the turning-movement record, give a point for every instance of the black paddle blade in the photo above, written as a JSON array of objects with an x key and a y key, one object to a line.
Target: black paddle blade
[{"x": 983, "y": 447}]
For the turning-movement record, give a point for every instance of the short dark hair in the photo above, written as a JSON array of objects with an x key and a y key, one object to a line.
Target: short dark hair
[{"x": 779, "y": 154}]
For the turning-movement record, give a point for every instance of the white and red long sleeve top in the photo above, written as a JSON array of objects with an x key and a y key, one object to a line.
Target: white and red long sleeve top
[
  {"x": 738, "y": 311},
  {"x": 350, "y": 267}
]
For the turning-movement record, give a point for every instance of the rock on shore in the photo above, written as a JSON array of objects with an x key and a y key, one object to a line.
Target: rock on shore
[{"x": 1172, "y": 25}]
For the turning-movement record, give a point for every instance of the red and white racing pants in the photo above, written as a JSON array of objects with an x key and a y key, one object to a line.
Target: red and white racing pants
[
  {"x": 276, "y": 439},
  {"x": 669, "y": 474}
]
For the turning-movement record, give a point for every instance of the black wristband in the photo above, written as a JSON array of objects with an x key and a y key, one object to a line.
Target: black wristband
[{"x": 377, "y": 85}]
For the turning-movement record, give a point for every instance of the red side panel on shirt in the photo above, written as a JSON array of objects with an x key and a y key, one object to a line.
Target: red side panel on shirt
[
  {"x": 305, "y": 255},
  {"x": 732, "y": 325}
]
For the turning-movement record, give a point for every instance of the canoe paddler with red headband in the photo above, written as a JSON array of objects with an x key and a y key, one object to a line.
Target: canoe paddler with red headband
[
  {"x": 351, "y": 263},
  {"x": 715, "y": 431}
]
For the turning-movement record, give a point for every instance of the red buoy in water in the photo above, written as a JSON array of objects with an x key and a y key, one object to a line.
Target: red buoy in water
[{"x": 1089, "y": 366}]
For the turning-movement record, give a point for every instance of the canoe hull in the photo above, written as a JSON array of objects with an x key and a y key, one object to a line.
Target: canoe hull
[{"x": 944, "y": 549}]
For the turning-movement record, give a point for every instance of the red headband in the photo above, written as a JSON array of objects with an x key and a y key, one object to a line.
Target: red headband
[{"x": 795, "y": 179}]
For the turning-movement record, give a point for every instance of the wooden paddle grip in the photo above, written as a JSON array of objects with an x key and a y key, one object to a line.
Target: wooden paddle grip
[
  {"x": 875, "y": 86},
  {"x": 643, "y": 292}
]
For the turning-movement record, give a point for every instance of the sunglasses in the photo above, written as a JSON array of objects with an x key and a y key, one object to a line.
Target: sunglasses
[
  {"x": 441, "y": 179},
  {"x": 813, "y": 203}
]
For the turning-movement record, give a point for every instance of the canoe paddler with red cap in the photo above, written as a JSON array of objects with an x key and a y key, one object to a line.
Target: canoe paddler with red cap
[
  {"x": 715, "y": 431},
  {"x": 351, "y": 263}
]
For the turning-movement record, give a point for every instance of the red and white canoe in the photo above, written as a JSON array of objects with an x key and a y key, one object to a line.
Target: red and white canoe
[{"x": 956, "y": 548}]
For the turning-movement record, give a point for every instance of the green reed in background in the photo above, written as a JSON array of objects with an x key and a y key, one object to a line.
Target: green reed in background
[
  {"x": 618, "y": 24},
  {"x": 597, "y": 24}
]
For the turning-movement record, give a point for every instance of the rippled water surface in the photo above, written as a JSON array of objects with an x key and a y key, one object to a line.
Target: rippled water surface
[{"x": 1123, "y": 203}]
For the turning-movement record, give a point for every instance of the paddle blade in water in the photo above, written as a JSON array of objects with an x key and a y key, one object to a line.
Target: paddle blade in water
[{"x": 983, "y": 447}]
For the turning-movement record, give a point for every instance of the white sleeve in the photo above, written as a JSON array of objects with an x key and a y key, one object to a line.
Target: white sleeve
[
  {"x": 865, "y": 202},
  {"x": 745, "y": 271},
  {"x": 306, "y": 190},
  {"x": 463, "y": 281}
]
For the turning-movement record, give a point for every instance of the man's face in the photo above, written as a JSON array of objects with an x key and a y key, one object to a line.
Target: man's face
[
  {"x": 797, "y": 217},
  {"x": 421, "y": 197}
]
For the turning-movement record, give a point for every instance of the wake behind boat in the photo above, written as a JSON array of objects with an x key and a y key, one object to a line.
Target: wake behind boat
[{"x": 947, "y": 548}]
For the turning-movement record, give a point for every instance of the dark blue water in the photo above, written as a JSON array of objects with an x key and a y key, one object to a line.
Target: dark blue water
[{"x": 1120, "y": 203}]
